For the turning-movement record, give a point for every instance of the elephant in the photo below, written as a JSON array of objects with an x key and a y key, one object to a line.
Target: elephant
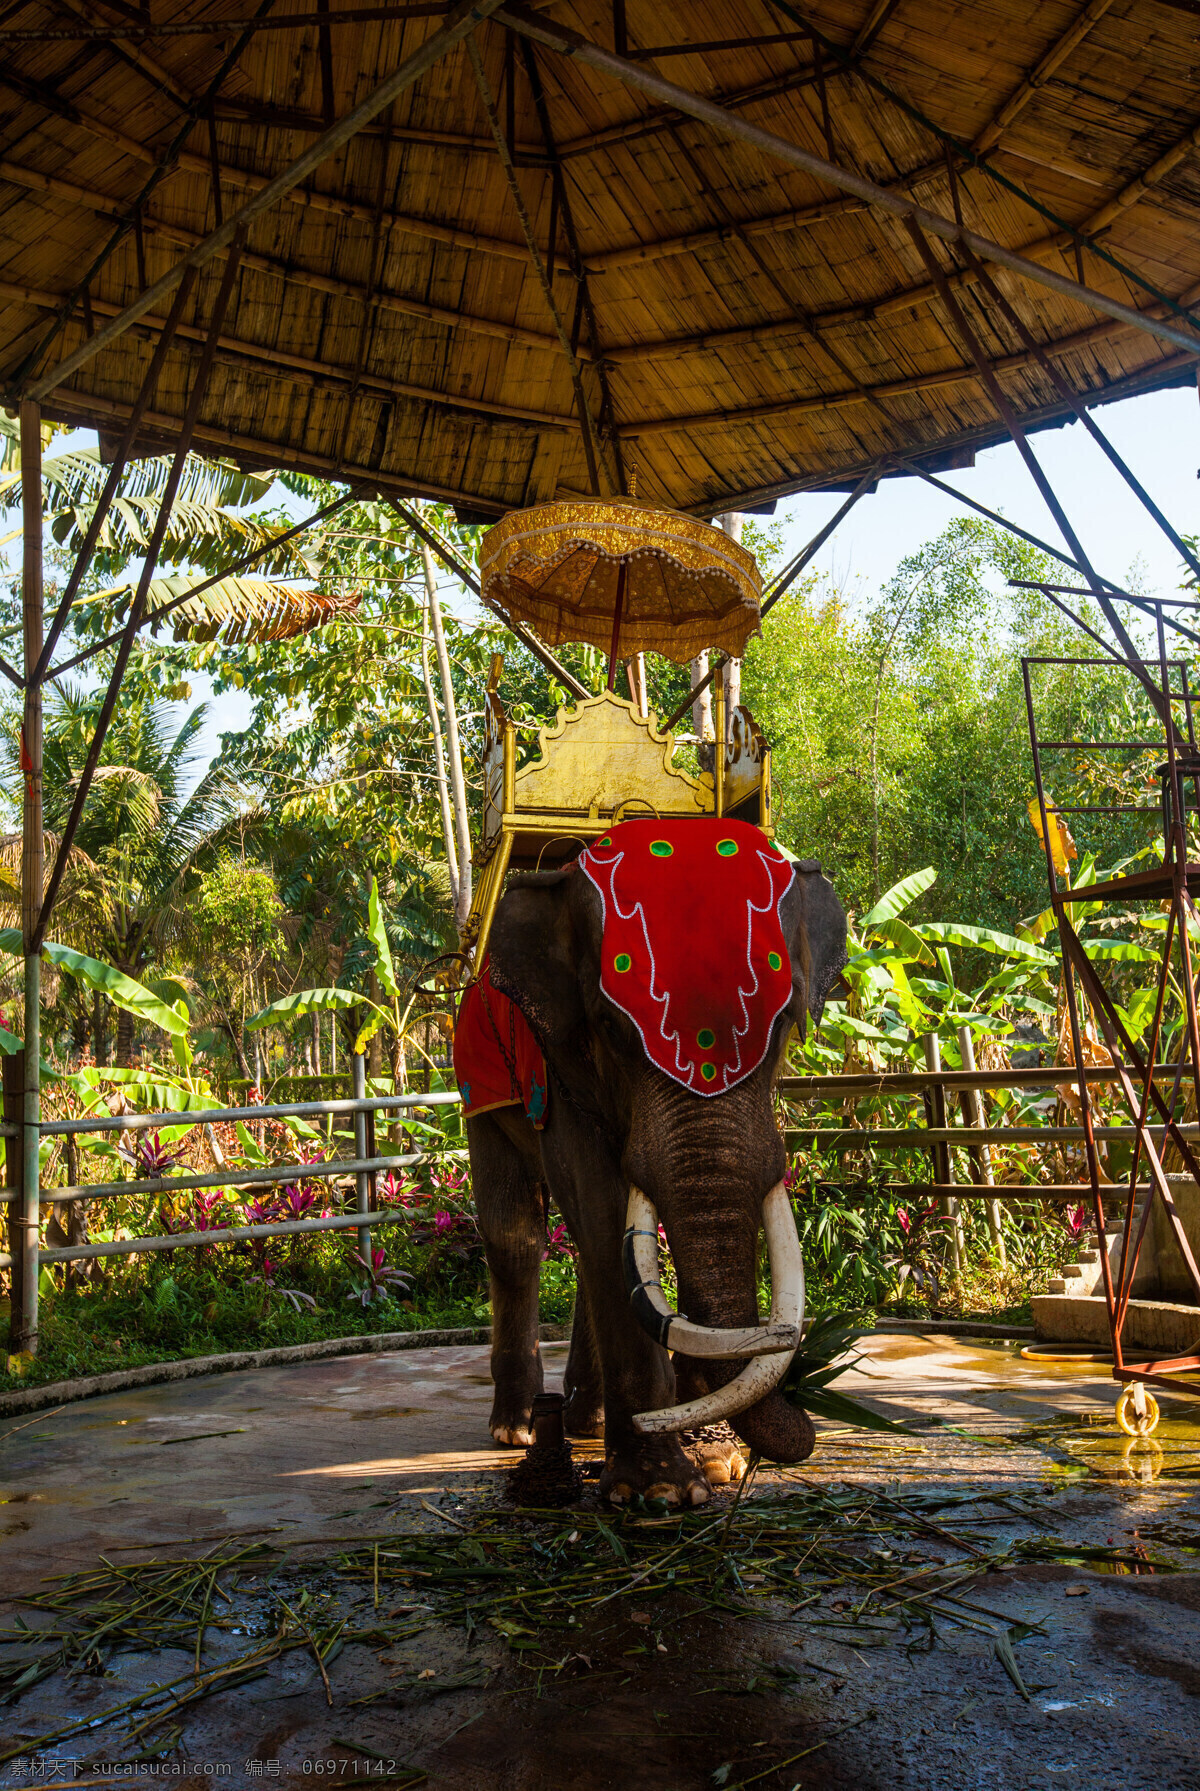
[{"x": 701, "y": 1163}]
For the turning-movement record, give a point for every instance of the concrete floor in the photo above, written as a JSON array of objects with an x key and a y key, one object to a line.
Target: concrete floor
[{"x": 321, "y": 1451}]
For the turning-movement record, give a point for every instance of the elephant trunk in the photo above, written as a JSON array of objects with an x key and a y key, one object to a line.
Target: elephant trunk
[
  {"x": 774, "y": 1428},
  {"x": 730, "y": 1365}
]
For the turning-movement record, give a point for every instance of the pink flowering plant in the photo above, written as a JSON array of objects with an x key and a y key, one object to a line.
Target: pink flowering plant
[{"x": 377, "y": 1279}]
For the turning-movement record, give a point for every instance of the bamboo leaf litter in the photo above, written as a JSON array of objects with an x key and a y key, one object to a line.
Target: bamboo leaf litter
[{"x": 855, "y": 1565}]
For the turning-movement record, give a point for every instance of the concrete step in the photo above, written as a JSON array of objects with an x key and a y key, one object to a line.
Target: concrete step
[{"x": 1160, "y": 1327}]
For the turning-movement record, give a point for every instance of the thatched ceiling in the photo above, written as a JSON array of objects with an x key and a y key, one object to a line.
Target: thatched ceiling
[{"x": 744, "y": 329}]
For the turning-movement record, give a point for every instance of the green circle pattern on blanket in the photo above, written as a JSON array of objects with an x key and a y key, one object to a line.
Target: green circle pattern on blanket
[
  {"x": 708, "y": 1071},
  {"x": 706, "y": 1038},
  {"x": 622, "y": 962},
  {"x": 774, "y": 960},
  {"x": 662, "y": 848},
  {"x": 726, "y": 848}
]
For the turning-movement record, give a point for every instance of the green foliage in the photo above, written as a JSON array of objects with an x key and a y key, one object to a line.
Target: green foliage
[
  {"x": 290, "y": 1008},
  {"x": 132, "y": 997},
  {"x": 237, "y": 904},
  {"x": 289, "y": 896}
]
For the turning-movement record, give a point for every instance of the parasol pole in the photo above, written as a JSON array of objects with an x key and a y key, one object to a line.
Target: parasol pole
[{"x": 616, "y": 633}]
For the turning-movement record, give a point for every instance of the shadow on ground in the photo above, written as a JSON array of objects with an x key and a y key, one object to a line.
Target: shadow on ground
[{"x": 311, "y": 1572}]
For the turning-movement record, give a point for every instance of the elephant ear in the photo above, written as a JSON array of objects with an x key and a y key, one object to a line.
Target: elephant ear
[
  {"x": 533, "y": 957},
  {"x": 814, "y": 925}
]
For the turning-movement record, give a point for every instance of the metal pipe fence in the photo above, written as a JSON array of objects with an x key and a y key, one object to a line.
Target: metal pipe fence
[
  {"x": 942, "y": 1139},
  {"x": 362, "y": 1169},
  {"x": 366, "y": 1164}
]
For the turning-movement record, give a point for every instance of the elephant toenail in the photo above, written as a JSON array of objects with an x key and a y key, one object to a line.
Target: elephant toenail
[
  {"x": 717, "y": 1473},
  {"x": 697, "y": 1493}
]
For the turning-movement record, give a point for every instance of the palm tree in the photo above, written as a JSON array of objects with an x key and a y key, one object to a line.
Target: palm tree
[
  {"x": 211, "y": 526},
  {"x": 148, "y": 824}
]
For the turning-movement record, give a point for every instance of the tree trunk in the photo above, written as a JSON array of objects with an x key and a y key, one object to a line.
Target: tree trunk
[
  {"x": 439, "y": 761},
  {"x": 81, "y": 1027},
  {"x": 239, "y": 1050},
  {"x": 124, "y": 1053},
  {"x": 314, "y": 1021},
  {"x": 702, "y": 722},
  {"x": 458, "y": 785},
  {"x": 99, "y": 1030},
  {"x": 635, "y": 671}
]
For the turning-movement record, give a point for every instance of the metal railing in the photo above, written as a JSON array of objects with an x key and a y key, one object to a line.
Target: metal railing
[
  {"x": 971, "y": 1134},
  {"x": 364, "y": 1167}
]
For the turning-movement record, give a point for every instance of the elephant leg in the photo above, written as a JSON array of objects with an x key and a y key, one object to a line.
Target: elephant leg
[
  {"x": 583, "y": 1382},
  {"x": 510, "y": 1204},
  {"x": 636, "y": 1372}
]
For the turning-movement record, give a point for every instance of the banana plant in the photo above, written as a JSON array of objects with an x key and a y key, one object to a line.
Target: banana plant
[
  {"x": 376, "y": 1017},
  {"x": 123, "y": 991},
  {"x": 893, "y": 1002}
]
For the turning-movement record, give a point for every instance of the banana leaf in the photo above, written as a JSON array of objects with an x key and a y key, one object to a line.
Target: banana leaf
[
  {"x": 308, "y": 1001},
  {"x": 377, "y": 933},
  {"x": 121, "y": 990},
  {"x": 953, "y": 932},
  {"x": 899, "y": 896}
]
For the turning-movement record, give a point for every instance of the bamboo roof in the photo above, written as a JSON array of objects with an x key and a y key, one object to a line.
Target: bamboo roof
[{"x": 743, "y": 329}]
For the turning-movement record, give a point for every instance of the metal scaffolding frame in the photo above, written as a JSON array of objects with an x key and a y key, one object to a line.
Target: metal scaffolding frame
[
  {"x": 1173, "y": 883},
  {"x": 974, "y": 253}
]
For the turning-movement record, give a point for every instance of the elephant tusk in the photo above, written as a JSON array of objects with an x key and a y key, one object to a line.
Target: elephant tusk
[
  {"x": 639, "y": 1259},
  {"x": 787, "y": 1318},
  {"x": 783, "y": 1331}
]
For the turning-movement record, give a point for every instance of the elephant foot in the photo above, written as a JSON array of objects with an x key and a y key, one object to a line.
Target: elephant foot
[
  {"x": 511, "y": 1422},
  {"x": 722, "y": 1463},
  {"x": 583, "y": 1414},
  {"x": 655, "y": 1467}
]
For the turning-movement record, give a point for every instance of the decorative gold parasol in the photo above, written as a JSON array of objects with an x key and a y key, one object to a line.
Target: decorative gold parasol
[{"x": 624, "y": 577}]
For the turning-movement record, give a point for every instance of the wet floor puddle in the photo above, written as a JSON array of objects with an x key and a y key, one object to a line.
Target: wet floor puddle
[{"x": 1091, "y": 1444}]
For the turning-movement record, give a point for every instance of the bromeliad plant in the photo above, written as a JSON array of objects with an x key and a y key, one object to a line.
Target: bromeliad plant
[{"x": 819, "y": 1360}]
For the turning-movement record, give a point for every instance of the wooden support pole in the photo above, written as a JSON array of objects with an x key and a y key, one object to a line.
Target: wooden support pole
[
  {"x": 460, "y": 23},
  {"x": 943, "y": 1162},
  {"x": 701, "y": 671},
  {"x": 560, "y": 197},
  {"x": 137, "y": 608},
  {"x": 362, "y": 1180},
  {"x": 1033, "y": 347},
  {"x": 590, "y": 445},
  {"x": 970, "y": 341},
  {"x": 32, "y": 872},
  {"x": 462, "y": 571},
  {"x": 83, "y": 558},
  {"x": 980, "y": 1155},
  {"x": 14, "y": 1112}
]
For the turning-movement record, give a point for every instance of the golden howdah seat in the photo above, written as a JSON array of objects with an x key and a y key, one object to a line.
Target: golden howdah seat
[{"x": 623, "y": 576}]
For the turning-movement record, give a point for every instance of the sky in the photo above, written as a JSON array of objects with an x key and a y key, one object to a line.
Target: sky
[{"x": 1158, "y": 435}]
